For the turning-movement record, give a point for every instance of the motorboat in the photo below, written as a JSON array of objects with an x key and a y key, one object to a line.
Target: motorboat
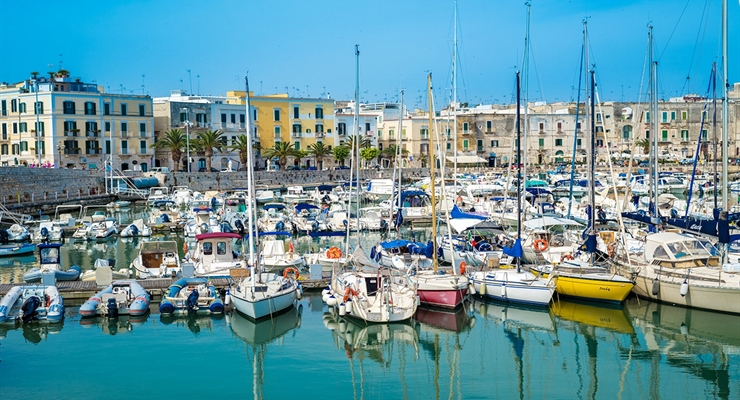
[
  {"x": 15, "y": 233},
  {"x": 105, "y": 264},
  {"x": 119, "y": 298},
  {"x": 16, "y": 249},
  {"x": 276, "y": 254},
  {"x": 264, "y": 195},
  {"x": 103, "y": 230},
  {"x": 181, "y": 195},
  {"x": 295, "y": 194},
  {"x": 164, "y": 216},
  {"x": 47, "y": 231},
  {"x": 156, "y": 194},
  {"x": 191, "y": 295},
  {"x": 328, "y": 258},
  {"x": 50, "y": 260},
  {"x": 374, "y": 218},
  {"x": 118, "y": 205},
  {"x": 32, "y": 302},
  {"x": 136, "y": 229},
  {"x": 157, "y": 259},
  {"x": 214, "y": 255}
]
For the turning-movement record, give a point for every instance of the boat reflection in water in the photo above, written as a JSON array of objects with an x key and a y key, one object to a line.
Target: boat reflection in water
[
  {"x": 194, "y": 322},
  {"x": 702, "y": 344},
  {"x": 258, "y": 334},
  {"x": 114, "y": 326},
  {"x": 34, "y": 332},
  {"x": 449, "y": 320},
  {"x": 601, "y": 315}
]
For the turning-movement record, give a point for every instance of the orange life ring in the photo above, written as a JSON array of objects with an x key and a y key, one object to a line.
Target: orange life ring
[
  {"x": 334, "y": 252},
  {"x": 347, "y": 293},
  {"x": 541, "y": 245},
  {"x": 290, "y": 247},
  {"x": 567, "y": 257},
  {"x": 185, "y": 247},
  {"x": 288, "y": 270},
  {"x": 462, "y": 268}
]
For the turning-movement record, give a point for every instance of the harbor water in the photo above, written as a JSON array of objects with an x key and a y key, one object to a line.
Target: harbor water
[{"x": 485, "y": 350}]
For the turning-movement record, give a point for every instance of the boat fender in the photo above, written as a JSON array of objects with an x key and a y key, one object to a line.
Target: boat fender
[
  {"x": 331, "y": 301},
  {"x": 684, "y": 329},
  {"x": 656, "y": 287},
  {"x": 112, "y": 308},
  {"x": 503, "y": 290},
  {"x": 471, "y": 288},
  {"x": 348, "y": 306},
  {"x": 227, "y": 297},
  {"x": 341, "y": 309},
  {"x": 482, "y": 289},
  {"x": 684, "y": 288},
  {"x": 325, "y": 292},
  {"x": 299, "y": 292}
]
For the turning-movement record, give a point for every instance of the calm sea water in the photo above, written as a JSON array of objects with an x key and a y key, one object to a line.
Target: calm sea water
[{"x": 486, "y": 350}]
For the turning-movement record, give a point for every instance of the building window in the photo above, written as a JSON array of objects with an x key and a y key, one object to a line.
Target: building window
[
  {"x": 91, "y": 128},
  {"x": 542, "y": 125},
  {"x": 489, "y": 125},
  {"x": 558, "y": 142},
  {"x": 578, "y": 126},
  {"x": 3, "y": 107},
  {"x": 22, "y": 108},
  {"x": 578, "y": 143},
  {"x": 542, "y": 142},
  {"x": 704, "y": 135},
  {"x": 319, "y": 112},
  {"x": 124, "y": 129},
  {"x": 673, "y": 115},
  {"x": 254, "y": 115},
  {"x": 684, "y": 135},
  {"x": 647, "y": 134},
  {"x": 380, "y": 133},
  {"x": 13, "y": 105},
  {"x": 297, "y": 144},
  {"x": 107, "y": 126},
  {"x": 124, "y": 109},
  {"x": 684, "y": 115},
  {"x": 647, "y": 116},
  {"x": 142, "y": 147},
  {"x": 449, "y": 146},
  {"x": 319, "y": 128},
  {"x": 38, "y": 107},
  {"x": 277, "y": 132},
  {"x": 107, "y": 147},
  {"x": 89, "y": 108},
  {"x": 297, "y": 128},
  {"x": 664, "y": 117},
  {"x": 142, "y": 110},
  {"x": 69, "y": 107},
  {"x": 560, "y": 126},
  {"x": 15, "y": 127},
  {"x": 424, "y": 133},
  {"x": 465, "y": 128},
  {"x": 223, "y": 118},
  {"x": 106, "y": 108},
  {"x": 70, "y": 128},
  {"x": 124, "y": 146},
  {"x": 276, "y": 114},
  {"x": 142, "y": 129},
  {"x": 4, "y": 149},
  {"x": 480, "y": 145},
  {"x": 296, "y": 112},
  {"x": 626, "y": 132},
  {"x": 403, "y": 133},
  {"x": 233, "y": 118},
  {"x": 242, "y": 118},
  {"x": 494, "y": 143},
  {"x": 5, "y": 131},
  {"x": 664, "y": 135},
  {"x": 23, "y": 127},
  {"x": 390, "y": 134},
  {"x": 342, "y": 128},
  {"x": 39, "y": 126}
]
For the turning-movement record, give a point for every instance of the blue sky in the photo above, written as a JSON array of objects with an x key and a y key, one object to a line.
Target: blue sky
[{"x": 308, "y": 46}]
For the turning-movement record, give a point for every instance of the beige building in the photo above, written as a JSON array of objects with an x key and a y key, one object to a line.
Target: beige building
[{"x": 74, "y": 124}]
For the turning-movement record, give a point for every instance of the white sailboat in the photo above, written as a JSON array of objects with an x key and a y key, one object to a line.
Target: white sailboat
[{"x": 261, "y": 294}]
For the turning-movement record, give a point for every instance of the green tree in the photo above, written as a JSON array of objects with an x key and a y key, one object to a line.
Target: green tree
[
  {"x": 319, "y": 150},
  {"x": 241, "y": 144},
  {"x": 208, "y": 140},
  {"x": 645, "y": 144},
  {"x": 299, "y": 155},
  {"x": 369, "y": 153},
  {"x": 282, "y": 151},
  {"x": 175, "y": 141},
  {"x": 390, "y": 153},
  {"x": 340, "y": 154}
]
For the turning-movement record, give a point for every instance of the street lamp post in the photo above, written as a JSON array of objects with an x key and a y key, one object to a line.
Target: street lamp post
[{"x": 60, "y": 149}]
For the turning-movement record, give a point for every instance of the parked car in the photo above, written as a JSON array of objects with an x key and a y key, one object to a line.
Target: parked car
[
  {"x": 341, "y": 167},
  {"x": 686, "y": 161}
]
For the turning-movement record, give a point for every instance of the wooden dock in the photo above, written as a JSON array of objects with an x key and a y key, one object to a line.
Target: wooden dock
[{"x": 77, "y": 292}]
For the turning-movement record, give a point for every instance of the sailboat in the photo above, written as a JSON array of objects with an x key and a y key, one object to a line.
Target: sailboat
[
  {"x": 366, "y": 290},
  {"x": 515, "y": 285},
  {"x": 682, "y": 269},
  {"x": 580, "y": 278},
  {"x": 261, "y": 294}
]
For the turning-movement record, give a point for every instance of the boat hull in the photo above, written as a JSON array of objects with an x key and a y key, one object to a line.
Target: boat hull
[
  {"x": 593, "y": 288},
  {"x": 712, "y": 298},
  {"x": 514, "y": 287},
  {"x": 10, "y": 250},
  {"x": 266, "y": 306}
]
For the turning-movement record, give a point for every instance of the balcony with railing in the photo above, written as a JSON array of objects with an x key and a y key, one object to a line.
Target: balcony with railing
[{"x": 320, "y": 134}]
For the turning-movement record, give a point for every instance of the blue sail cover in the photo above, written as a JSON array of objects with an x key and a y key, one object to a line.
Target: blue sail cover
[
  {"x": 394, "y": 244},
  {"x": 536, "y": 191},
  {"x": 515, "y": 250},
  {"x": 458, "y": 213},
  {"x": 422, "y": 249},
  {"x": 304, "y": 206},
  {"x": 325, "y": 188},
  {"x": 590, "y": 244}
]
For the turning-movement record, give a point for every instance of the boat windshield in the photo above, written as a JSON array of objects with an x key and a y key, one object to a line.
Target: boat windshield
[{"x": 691, "y": 248}]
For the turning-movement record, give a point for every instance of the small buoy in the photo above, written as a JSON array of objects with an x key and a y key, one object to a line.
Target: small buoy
[
  {"x": 503, "y": 290},
  {"x": 341, "y": 309},
  {"x": 331, "y": 301},
  {"x": 482, "y": 289},
  {"x": 684, "y": 288},
  {"x": 348, "y": 306},
  {"x": 471, "y": 288},
  {"x": 684, "y": 329},
  {"x": 656, "y": 287},
  {"x": 227, "y": 298}
]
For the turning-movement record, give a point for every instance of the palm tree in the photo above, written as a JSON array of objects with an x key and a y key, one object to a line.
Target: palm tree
[
  {"x": 299, "y": 155},
  {"x": 175, "y": 141},
  {"x": 208, "y": 140},
  {"x": 390, "y": 152},
  {"x": 241, "y": 144},
  {"x": 645, "y": 144},
  {"x": 319, "y": 150},
  {"x": 282, "y": 151}
]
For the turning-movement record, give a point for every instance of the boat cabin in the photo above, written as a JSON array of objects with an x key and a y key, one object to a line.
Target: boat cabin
[{"x": 676, "y": 250}]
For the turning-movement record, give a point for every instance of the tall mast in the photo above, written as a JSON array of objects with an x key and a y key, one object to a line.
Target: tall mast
[
  {"x": 725, "y": 86},
  {"x": 355, "y": 165},
  {"x": 454, "y": 97},
  {"x": 431, "y": 170},
  {"x": 654, "y": 124},
  {"x": 592, "y": 154},
  {"x": 517, "y": 124},
  {"x": 398, "y": 154},
  {"x": 250, "y": 183},
  {"x": 525, "y": 101}
]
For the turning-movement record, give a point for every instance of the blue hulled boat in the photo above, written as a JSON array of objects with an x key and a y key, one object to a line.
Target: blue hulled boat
[
  {"x": 191, "y": 295},
  {"x": 50, "y": 259}
]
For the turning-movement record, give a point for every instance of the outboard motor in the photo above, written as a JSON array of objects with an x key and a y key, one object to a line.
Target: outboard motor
[
  {"x": 112, "y": 308},
  {"x": 134, "y": 230},
  {"x": 192, "y": 301},
  {"x": 165, "y": 218},
  {"x": 239, "y": 226},
  {"x": 29, "y": 308},
  {"x": 44, "y": 232},
  {"x": 4, "y": 236},
  {"x": 111, "y": 262},
  {"x": 280, "y": 226}
]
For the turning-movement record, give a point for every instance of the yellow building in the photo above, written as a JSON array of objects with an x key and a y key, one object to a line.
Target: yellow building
[
  {"x": 299, "y": 121},
  {"x": 79, "y": 125}
]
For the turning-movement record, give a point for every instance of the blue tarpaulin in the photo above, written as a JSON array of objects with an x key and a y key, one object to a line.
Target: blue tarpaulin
[{"x": 515, "y": 250}]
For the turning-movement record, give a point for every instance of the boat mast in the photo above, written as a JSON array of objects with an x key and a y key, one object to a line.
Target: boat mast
[
  {"x": 525, "y": 100},
  {"x": 398, "y": 158},
  {"x": 251, "y": 208},
  {"x": 454, "y": 98},
  {"x": 517, "y": 124},
  {"x": 592, "y": 166},
  {"x": 654, "y": 126},
  {"x": 355, "y": 148},
  {"x": 431, "y": 171},
  {"x": 725, "y": 86}
]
